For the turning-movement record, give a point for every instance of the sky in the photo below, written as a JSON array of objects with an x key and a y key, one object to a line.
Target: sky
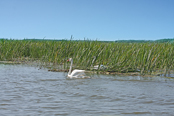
[{"x": 103, "y": 20}]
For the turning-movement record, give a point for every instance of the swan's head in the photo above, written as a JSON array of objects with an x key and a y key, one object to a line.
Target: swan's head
[{"x": 69, "y": 60}]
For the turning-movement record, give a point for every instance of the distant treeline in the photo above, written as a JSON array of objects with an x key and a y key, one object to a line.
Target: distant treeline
[
  {"x": 146, "y": 41},
  {"x": 117, "y": 41}
]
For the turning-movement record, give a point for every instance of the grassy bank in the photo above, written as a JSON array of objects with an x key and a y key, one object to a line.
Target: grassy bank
[{"x": 145, "y": 58}]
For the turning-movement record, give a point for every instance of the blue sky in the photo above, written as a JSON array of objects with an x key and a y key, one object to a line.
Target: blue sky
[{"x": 107, "y": 20}]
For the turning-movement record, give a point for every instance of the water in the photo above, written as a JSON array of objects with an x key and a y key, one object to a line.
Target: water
[{"x": 27, "y": 90}]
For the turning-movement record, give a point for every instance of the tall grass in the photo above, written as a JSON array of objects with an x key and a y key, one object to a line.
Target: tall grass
[{"x": 116, "y": 57}]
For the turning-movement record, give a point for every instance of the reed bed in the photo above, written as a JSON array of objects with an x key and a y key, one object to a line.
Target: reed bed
[{"x": 145, "y": 58}]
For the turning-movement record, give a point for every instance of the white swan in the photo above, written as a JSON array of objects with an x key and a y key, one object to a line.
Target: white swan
[
  {"x": 76, "y": 73},
  {"x": 101, "y": 67}
]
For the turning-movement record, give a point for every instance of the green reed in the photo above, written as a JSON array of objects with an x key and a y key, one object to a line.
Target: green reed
[{"x": 145, "y": 58}]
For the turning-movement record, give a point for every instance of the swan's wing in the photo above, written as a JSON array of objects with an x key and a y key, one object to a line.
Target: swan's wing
[{"x": 76, "y": 72}]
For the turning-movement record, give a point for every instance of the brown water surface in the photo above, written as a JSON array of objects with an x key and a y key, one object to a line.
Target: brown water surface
[{"x": 27, "y": 90}]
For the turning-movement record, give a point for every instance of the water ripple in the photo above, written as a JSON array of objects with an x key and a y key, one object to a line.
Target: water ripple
[{"x": 25, "y": 90}]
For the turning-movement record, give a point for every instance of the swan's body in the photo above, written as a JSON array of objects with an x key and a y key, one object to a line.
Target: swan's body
[
  {"x": 97, "y": 67},
  {"x": 101, "y": 67},
  {"x": 75, "y": 73}
]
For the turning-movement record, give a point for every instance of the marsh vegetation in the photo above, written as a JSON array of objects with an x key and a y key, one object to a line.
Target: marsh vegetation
[{"x": 143, "y": 58}]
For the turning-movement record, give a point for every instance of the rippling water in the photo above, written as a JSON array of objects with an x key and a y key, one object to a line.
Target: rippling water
[{"x": 26, "y": 90}]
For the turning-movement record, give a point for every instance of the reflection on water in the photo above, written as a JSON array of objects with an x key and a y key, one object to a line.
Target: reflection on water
[{"x": 26, "y": 90}]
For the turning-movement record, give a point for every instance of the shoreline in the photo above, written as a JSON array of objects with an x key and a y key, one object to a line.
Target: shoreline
[{"x": 51, "y": 67}]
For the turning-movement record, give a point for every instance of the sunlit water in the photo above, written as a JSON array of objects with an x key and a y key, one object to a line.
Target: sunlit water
[{"x": 30, "y": 91}]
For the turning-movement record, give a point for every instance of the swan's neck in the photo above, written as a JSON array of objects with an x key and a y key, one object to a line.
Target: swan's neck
[{"x": 69, "y": 73}]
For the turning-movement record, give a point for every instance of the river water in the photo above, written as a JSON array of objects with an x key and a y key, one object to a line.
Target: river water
[{"x": 30, "y": 91}]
